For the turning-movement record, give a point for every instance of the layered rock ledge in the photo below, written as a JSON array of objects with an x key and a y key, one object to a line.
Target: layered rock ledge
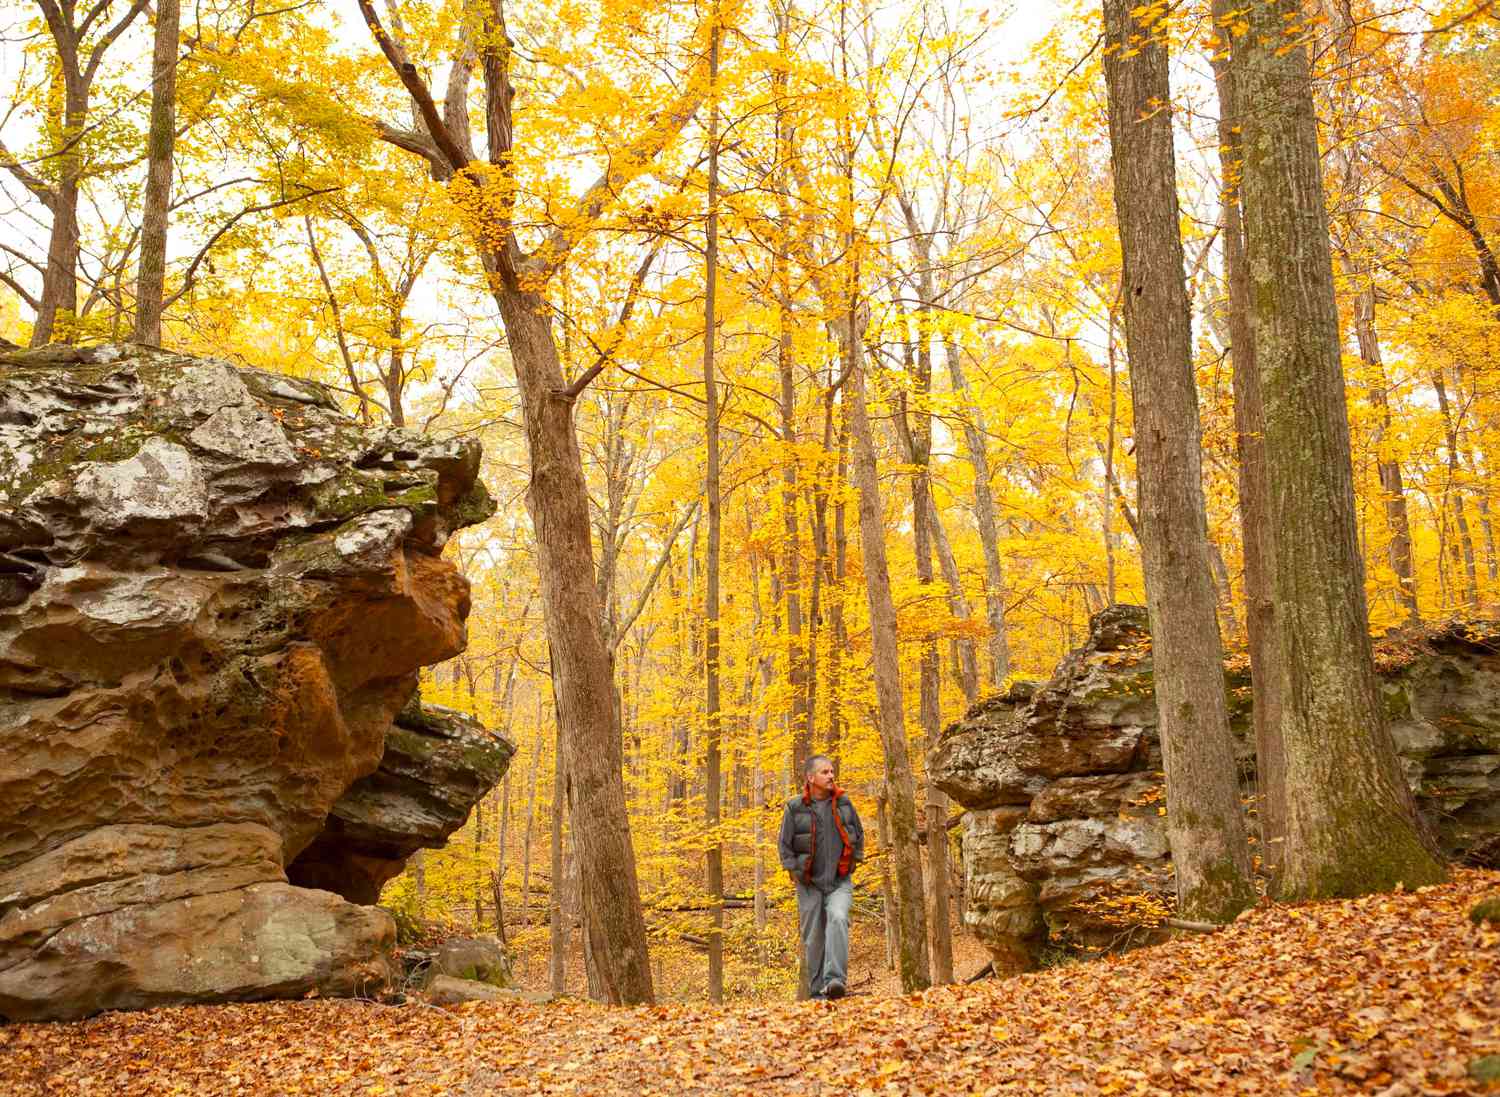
[
  {"x": 1065, "y": 838},
  {"x": 216, "y": 591}
]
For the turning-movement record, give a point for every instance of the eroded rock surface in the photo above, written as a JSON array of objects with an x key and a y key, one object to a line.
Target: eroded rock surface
[
  {"x": 437, "y": 765},
  {"x": 1064, "y": 784},
  {"x": 215, "y": 593}
]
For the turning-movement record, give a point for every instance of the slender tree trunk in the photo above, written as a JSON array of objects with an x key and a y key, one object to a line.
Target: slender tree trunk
[
  {"x": 557, "y": 498},
  {"x": 1453, "y": 490},
  {"x": 1351, "y": 822},
  {"x": 1107, "y": 488},
  {"x": 712, "y": 778},
  {"x": 536, "y": 765},
  {"x": 159, "y": 146},
  {"x": 1254, "y": 489},
  {"x": 60, "y": 280},
  {"x": 419, "y": 882},
  {"x": 767, "y": 667},
  {"x": 1392, "y": 490},
  {"x": 798, "y": 662},
  {"x": 1204, "y": 825},
  {"x": 887, "y": 896},
  {"x": 984, "y": 517},
  {"x": 906, "y": 847},
  {"x": 918, "y": 437},
  {"x": 558, "y": 966},
  {"x": 966, "y": 663},
  {"x": 837, "y": 571}
]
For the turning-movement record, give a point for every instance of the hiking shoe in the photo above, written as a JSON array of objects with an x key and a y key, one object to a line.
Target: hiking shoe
[{"x": 834, "y": 990}]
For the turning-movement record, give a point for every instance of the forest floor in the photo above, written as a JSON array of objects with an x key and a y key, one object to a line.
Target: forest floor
[{"x": 1392, "y": 994}]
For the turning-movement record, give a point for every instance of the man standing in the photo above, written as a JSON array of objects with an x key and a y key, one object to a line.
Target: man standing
[{"x": 821, "y": 842}]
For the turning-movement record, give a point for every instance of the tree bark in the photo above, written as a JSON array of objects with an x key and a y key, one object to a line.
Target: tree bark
[
  {"x": 159, "y": 147},
  {"x": 984, "y": 518},
  {"x": 906, "y": 848},
  {"x": 557, "y": 497},
  {"x": 1453, "y": 492},
  {"x": 1351, "y": 821},
  {"x": 558, "y": 964},
  {"x": 536, "y": 765},
  {"x": 1204, "y": 825},
  {"x": 1254, "y": 488},
  {"x": 712, "y": 777}
]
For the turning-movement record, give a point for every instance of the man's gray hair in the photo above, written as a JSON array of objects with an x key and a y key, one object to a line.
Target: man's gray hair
[{"x": 812, "y": 763}]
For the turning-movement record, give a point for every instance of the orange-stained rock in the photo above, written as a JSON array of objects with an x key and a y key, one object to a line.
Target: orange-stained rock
[{"x": 216, "y": 591}]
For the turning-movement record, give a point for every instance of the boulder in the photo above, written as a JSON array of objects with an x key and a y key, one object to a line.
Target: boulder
[
  {"x": 438, "y": 763},
  {"x": 216, "y": 591},
  {"x": 482, "y": 959},
  {"x": 445, "y": 990},
  {"x": 1065, "y": 834}
]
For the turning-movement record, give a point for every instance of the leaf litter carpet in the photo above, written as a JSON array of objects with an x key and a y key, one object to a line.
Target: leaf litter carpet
[{"x": 1391, "y": 994}]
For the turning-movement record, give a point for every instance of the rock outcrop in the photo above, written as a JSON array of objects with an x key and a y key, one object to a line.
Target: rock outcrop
[
  {"x": 1064, "y": 836},
  {"x": 215, "y": 593},
  {"x": 437, "y": 765}
]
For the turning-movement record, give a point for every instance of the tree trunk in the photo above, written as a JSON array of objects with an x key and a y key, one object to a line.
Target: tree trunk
[
  {"x": 536, "y": 765},
  {"x": 1453, "y": 492},
  {"x": 1351, "y": 821},
  {"x": 1392, "y": 490},
  {"x": 59, "y": 298},
  {"x": 159, "y": 146},
  {"x": 984, "y": 517},
  {"x": 1204, "y": 825},
  {"x": 712, "y": 778},
  {"x": 906, "y": 847},
  {"x": 919, "y": 444},
  {"x": 1254, "y": 488},
  {"x": 557, "y": 498},
  {"x": 798, "y": 662},
  {"x": 767, "y": 668},
  {"x": 887, "y": 897},
  {"x": 558, "y": 964}
]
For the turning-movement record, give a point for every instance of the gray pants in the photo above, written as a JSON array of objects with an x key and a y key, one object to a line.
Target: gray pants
[{"x": 824, "y": 924}]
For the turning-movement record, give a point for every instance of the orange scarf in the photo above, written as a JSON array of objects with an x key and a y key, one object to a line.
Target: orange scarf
[{"x": 844, "y": 858}]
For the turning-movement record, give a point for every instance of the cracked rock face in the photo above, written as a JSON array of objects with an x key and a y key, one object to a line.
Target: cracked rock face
[
  {"x": 1064, "y": 782},
  {"x": 215, "y": 593}
]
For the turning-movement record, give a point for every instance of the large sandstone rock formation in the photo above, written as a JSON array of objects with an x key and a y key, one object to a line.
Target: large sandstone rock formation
[
  {"x": 215, "y": 593},
  {"x": 1064, "y": 837},
  {"x": 437, "y": 765}
]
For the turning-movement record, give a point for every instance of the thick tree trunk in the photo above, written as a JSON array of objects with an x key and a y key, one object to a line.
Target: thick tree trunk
[
  {"x": 1351, "y": 823},
  {"x": 905, "y": 845},
  {"x": 159, "y": 146},
  {"x": 1254, "y": 488},
  {"x": 557, "y": 498},
  {"x": 1204, "y": 825},
  {"x": 712, "y": 778}
]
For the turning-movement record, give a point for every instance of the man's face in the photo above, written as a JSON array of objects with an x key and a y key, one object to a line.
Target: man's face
[{"x": 822, "y": 778}]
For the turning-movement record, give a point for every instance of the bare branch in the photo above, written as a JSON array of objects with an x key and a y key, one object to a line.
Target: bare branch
[
  {"x": 31, "y": 182},
  {"x": 417, "y": 89},
  {"x": 192, "y": 271}
]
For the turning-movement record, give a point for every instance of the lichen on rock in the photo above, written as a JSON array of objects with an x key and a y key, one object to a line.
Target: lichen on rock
[{"x": 216, "y": 591}]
